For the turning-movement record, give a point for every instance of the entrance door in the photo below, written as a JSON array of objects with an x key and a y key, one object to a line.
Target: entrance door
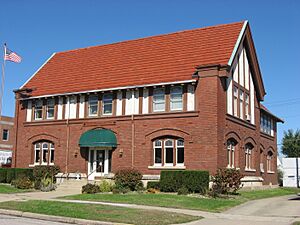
[{"x": 98, "y": 163}]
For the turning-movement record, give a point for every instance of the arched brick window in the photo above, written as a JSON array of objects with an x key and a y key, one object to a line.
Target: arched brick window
[
  {"x": 231, "y": 148},
  {"x": 270, "y": 157},
  {"x": 249, "y": 156},
  {"x": 43, "y": 153}
]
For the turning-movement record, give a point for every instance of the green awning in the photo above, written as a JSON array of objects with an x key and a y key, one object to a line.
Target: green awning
[{"x": 98, "y": 138}]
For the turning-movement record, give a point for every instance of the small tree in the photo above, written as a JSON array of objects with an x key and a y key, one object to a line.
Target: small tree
[{"x": 291, "y": 143}]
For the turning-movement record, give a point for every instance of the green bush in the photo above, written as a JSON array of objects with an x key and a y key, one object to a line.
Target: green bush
[
  {"x": 90, "y": 189},
  {"x": 3, "y": 174},
  {"x": 105, "y": 186},
  {"x": 23, "y": 172},
  {"x": 42, "y": 174},
  {"x": 226, "y": 181},
  {"x": 10, "y": 175},
  {"x": 23, "y": 183},
  {"x": 15, "y": 173},
  {"x": 153, "y": 184},
  {"x": 128, "y": 179},
  {"x": 183, "y": 191},
  {"x": 196, "y": 181}
]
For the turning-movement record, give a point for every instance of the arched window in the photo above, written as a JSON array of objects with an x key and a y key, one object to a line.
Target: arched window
[
  {"x": 231, "y": 145},
  {"x": 269, "y": 161},
  {"x": 249, "y": 156},
  {"x": 43, "y": 153},
  {"x": 165, "y": 149}
]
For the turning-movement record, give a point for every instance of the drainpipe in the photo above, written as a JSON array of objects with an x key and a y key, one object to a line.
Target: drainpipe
[
  {"x": 132, "y": 129},
  {"x": 297, "y": 172},
  {"x": 68, "y": 136},
  {"x": 16, "y": 130}
]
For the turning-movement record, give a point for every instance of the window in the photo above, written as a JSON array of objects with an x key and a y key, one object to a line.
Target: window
[
  {"x": 107, "y": 103},
  {"x": 230, "y": 153},
  {"x": 248, "y": 156},
  {"x": 93, "y": 105},
  {"x": 266, "y": 124},
  {"x": 38, "y": 110},
  {"x": 176, "y": 98},
  {"x": 158, "y": 99},
  {"x": 241, "y": 104},
  {"x": 5, "y": 134},
  {"x": 169, "y": 149},
  {"x": 157, "y": 152},
  {"x": 43, "y": 153},
  {"x": 235, "y": 101},
  {"x": 179, "y": 152},
  {"x": 50, "y": 108},
  {"x": 166, "y": 149},
  {"x": 269, "y": 161},
  {"x": 247, "y": 108}
]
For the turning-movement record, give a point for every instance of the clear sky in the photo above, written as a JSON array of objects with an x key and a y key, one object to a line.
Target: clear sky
[{"x": 37, "y": 28}]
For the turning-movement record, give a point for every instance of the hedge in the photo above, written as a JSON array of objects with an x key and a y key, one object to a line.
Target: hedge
[
  {"x": 9, "y": 174},
  {"x": 3, "y": 172},
  {"x": 153, "y": 184},
  {"x": 196, "y": 181}
]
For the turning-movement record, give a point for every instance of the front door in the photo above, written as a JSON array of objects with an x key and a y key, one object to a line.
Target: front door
[{"x": 98, "y": 165}]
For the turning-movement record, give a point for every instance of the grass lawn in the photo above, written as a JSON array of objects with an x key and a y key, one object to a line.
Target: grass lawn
[
  {"x": 99, "y": 212},
  {"x": 6, "y": 189},
  {"x": 185, "y": 202},
  {"x": 296, "y": 223}
]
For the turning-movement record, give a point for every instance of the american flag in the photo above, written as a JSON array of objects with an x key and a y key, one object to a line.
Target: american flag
[{"x": 12, "y": 56}]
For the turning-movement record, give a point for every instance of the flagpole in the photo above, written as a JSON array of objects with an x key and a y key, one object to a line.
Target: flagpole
[{"x": 2, "y": 80}]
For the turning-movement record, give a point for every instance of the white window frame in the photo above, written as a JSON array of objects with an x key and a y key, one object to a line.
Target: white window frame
[
  {"x": 241, "y": 94},
  {"x": 176, "y": 90},
  {"x": 231, "y": 154},
  {"x": 179, "y": 164},
  {"x": 38, "y": 107},
  {"x": 270, "y": 156},
  {"x": 154, "y": 155},
  {"x": 7, "y": 136},
  {"x": 156, "y": 93},
  {"x": 106, "y": 98},
  {"x": 93, "y": 104},
  {"x": 165, "y": 152},
  {"x": 37, "y": 147},
  {"x": 42, "y": 156},
  {"x": 248, "y": 157},
  {"x": 52, "y": 105},
  {"x": 247, "y": 111},
  {"x": 235, "y": 101},
  {"x": 51, "y": 152}
]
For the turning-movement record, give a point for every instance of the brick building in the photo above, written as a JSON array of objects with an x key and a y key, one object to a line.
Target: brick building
[
  {"x": 7, "y": 140},
  {"x": 185, "y": 100}
]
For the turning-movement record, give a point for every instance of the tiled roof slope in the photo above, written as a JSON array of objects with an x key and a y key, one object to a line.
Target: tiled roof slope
[{"x": 157, "y": 59}]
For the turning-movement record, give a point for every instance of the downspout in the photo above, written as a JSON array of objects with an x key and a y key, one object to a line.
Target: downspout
[
  {"x": 132, "y": 129},
  {"x": 16, "y": 130},
  {"x": 68, "y": 136}
]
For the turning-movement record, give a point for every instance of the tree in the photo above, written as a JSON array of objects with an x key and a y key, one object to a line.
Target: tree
[{"x": 291, "y": 143}]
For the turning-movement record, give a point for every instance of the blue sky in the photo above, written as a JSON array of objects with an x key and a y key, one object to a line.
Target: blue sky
[{"x": 37, "y": 28}]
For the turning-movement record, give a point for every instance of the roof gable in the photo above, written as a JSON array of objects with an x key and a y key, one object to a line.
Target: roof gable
[{"x": 157, "y": 59}]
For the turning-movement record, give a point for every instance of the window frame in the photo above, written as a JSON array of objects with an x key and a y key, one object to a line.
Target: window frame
[
  {"x": 173, "y": 101},
  {"x": 161, "y": 153},
  {"x": 47, "y": 108},
  {"x": 249, "y": 151},
  {"x": 177, "y": 147},
  {"x": 231, "y": 148},
  {"x": 95, "y": 103},
  {"x": 7, "y": 134},
  {"x": 105, "y": 103},
  {"x": 49, "y": 149},
  {"x": 38, "y": 107},
  {"x": 165, "y": 152}
]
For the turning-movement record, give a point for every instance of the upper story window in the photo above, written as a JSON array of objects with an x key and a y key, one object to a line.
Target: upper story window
[
  {"x": 107, "y": 102},
  {"x": 50, "y": 108},
  {"x": 176, "y": 98},
  {"x": 241, "y": 104},
  {"x": 38, "y": 110},
  {"x": 235, "y": 101},
  {"x": 266, "y": 124},
  {"x": 93, "y": 105},
  {"x": 5, "y": 135},
  {"x": 159, "y": 100}
]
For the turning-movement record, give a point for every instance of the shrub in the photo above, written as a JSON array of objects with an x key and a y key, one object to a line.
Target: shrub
[
  {"x": 183, "y": 191},
  {"x": 120, "y": 190},
  {"x": 44, "y": 177},
  {"x": 23, "y": 183},
  {"x": 105, "y": 186},
  {"x": 3, "y": 174},
  {"x": 152, "y": 191},
  {"x": 128, "y": 179},
  {"x": 90, "y": 189},
  {"x": 10, "y": 175},
  {"x": 153, "y": 184},
  {"x": 196, "y": 181},
  {"x": 23, "y": 172},
  {"x": 226, "y": 181},
  {"x": 280, "y": 177}
]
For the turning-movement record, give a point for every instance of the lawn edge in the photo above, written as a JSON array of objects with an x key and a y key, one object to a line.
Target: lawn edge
[{"x": 53, "y": 218}]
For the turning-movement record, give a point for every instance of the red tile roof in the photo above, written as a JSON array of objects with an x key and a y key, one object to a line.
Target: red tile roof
[{"x": 158, "y": 59}]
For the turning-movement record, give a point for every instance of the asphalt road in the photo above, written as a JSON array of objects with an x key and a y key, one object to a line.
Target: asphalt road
[{"x": 14, "y": 220}]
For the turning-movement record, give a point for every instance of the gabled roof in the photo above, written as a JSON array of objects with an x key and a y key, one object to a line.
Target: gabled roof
[
  {"x": 158, "y": 59},
  {"x": 266, "y": 110}
]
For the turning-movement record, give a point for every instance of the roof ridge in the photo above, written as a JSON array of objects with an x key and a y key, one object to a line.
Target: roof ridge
[{"x": 159, "y": 35}]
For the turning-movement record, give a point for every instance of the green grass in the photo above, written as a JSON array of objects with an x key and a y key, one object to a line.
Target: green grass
[
  {"x": 185, "y": 202},
  {"x": 99, "y": 212},
  {"x": 7, "y": 189},
  {"x": 296, "y": 223}
]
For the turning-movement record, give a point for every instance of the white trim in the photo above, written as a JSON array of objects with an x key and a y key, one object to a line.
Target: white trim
[
  {"x": 113, "y": 89},
  {"x": 166, "y": 167},
  {"x": 6, "y": 123},
  {"x": 237, "y": 43},
  {"x": 38, "y": 70}
]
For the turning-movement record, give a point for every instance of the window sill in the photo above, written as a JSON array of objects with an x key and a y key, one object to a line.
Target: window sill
[
  {"x": 167, "y": 167},
  {"x": 250, "y": 170},
  {"x": 271, "y": 172}
]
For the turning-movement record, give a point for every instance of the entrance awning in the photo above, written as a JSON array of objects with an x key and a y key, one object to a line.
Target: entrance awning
[{"x": 98, "y": 138}]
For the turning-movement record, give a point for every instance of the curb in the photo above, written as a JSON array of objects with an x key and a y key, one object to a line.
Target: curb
[{"x": 60, "y": 219}]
